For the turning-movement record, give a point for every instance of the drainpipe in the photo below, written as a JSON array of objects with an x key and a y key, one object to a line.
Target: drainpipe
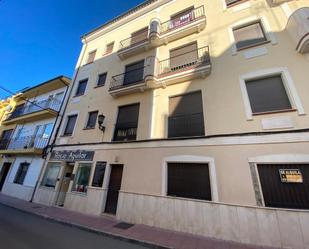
[{"x": 66, "y": 100}]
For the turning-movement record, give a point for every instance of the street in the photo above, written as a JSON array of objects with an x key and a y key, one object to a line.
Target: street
[{"x": 23, "y": 231}]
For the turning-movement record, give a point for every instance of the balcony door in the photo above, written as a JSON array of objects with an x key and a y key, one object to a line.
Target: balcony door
[
  {"x": 5, "y": 139},
  {"x": 184, "y": 56},
  {"x": 134, "y": 73},
  {"x": 182, "y": 18}
]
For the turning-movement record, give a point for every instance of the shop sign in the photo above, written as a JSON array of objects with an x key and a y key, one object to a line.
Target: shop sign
[
  {"x": 291, "y": 176},
  {"x": 72, "y": 155}
]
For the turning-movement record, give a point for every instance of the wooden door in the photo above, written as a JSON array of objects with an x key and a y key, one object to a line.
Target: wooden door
[
  {"x": 285, "y": 190},
  {"x": 3, "y": 174},
  {"x": 113, "y": 189}
]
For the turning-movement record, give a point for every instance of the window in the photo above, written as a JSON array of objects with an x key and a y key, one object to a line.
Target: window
[
  {"x": 19, "y": 110},
  {"x": 21, "y": 173},
  {"x": 184, "y": 56},
  {"x": 98, "y": 176},
  {"x": 109, "y": 48},
  {"x": 267, "y": 95},
  {"x": 189, "y": 180},
  {"x": 51, "y": 175},
  {"x": 186, "y": 115},
  {"x": 139, "y": 36},
  {"x": 232, "y": 2},
  {"x": 70, "y": 125},
  {"x": 101, "y": 79},
  {"x": 92, "y": 120},
  {"x": 81, "y": 179},
  {"x": 249, "y": 35},
  {"x": 81, "y": 87},
  {"x": 91, "y": 56},
  {"x": 134, "y": 73},
  {"x": 127, "y": 121}
]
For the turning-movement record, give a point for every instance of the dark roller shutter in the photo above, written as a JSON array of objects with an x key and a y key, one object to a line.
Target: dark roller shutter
[
  {"x": 134, "y": 73},
  {"x": 189, "y": 180},
  {"x": 127, "y": 123},
  {"x": 186, "y": 115},
  {"x": 184, "y": 55},
  {"x": 139, "y": 36},
  {"x": 268, "y": 94},
  {"x": 284, "y": 195}
]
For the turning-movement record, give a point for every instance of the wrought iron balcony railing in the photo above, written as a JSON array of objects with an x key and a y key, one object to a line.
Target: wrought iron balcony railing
[
  {"x": 181, "y": 21},
  {"x": 186, "y": 125},
  {"x": 185, "y": 61},
  {"x": 53, "y": 104},
  {"x": 29, "y": 142},
  {"x": 128, "y": 78},
  {"x": 134, "y": 40}
]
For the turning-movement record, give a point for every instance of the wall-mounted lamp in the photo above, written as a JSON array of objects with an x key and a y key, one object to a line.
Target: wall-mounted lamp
[{"x": 101, "y": 119}]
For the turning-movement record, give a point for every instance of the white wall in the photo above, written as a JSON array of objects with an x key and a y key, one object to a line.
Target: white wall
[{"x": 32, "y": 175}]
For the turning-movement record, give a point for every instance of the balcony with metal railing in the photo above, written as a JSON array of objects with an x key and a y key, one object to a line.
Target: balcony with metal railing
[
  {"x": 34, "y": 111},
  {"x": 186, "y": 66},
  {"x": 24, "y": 145},
  {"x": 190, "y": 22},
  {"x": 183, "y": 21},
  {"x": 134, "y": 44}
]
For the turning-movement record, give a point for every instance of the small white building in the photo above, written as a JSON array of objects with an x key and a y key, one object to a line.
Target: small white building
[{"x": 35, "y": 119}]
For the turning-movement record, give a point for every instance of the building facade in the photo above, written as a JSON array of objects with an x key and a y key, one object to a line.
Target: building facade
[
  {"x": 191, "y": 116},
  {"x": 27, "y": 130}
]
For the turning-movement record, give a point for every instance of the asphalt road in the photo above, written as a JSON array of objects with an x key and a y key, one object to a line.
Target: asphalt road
[{"x": 23, "y": 231}]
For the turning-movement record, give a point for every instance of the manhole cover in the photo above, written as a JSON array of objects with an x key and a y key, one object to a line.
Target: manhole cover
[{"x": 124, "y": 225}]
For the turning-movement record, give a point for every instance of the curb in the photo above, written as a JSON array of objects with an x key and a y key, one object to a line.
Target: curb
[{"x": 90, "y": 229}]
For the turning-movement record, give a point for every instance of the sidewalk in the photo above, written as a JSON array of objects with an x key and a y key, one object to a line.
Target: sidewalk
[{"x": 140, "y": 234}]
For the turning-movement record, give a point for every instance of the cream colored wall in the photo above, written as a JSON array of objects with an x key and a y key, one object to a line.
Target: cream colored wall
[
  {"x": 143, "y": 167},
  {"x": 224, "y": 109}
]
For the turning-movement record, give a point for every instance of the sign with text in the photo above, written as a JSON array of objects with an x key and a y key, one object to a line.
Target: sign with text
[
  {"x": 72, "y": 155},
  {"x": 291, "y": 176}
]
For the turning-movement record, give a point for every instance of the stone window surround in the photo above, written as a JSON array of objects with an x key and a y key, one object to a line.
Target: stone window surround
[
  {"x": 288, "y": 84},
  {"x": 191, "y": 159},
  {"x": 265, "y": 25}
]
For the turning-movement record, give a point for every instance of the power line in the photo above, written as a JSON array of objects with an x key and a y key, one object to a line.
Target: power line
[{"x": 26, "y": 100}]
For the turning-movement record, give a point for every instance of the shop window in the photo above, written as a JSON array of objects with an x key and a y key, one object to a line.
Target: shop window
[
  {"x": 21, "y": 173},
  {"x": 249, "y": 35},
  {"x": 98, "y": 176},
  {"x": 186, "y": 115},
  {"x": 267, "y": 95},
  {"x": 51, "y": 175},
  {"x": 81, "y": 180},
  {"x": 127, "y": 122},
  {"x": 189, "y": 180}
]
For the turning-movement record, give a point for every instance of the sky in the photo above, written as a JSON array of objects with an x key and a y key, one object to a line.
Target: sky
[{"x": 40, "y": 39}]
